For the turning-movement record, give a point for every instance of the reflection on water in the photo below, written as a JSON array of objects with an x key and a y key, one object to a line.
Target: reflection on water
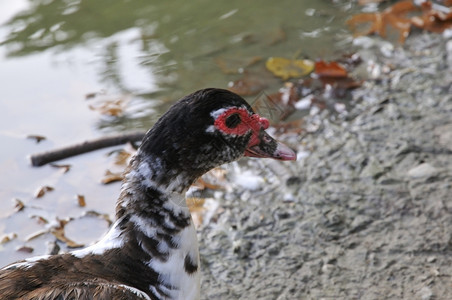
[
  {"x": 53, "y": 53},
  {"x": 165, "y": 50}
]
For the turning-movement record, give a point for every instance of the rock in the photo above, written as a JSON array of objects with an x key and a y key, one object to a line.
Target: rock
[
  {"x": 431, "y": 259},
  {"x": 426, "y": 293},
  {"x": 424, "y": 170},
  {"x": 444, "y": 134},
  {"x": 248, "y": 180},
  {"x": 373, "y": 169}
]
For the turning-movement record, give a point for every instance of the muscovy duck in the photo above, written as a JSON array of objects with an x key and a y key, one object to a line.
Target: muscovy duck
[{"x": 151, "y": 250}]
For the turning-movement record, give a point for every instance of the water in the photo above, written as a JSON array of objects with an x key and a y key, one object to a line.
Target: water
[{"x": 54, "y": 53}]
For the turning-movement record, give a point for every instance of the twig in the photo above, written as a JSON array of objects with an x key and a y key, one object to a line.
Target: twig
[{"x": 40, "y": 159}]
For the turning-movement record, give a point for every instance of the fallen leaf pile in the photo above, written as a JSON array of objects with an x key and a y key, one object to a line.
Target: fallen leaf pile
[
  {"x": 401, "y": 17},
  {"x": 329, "y": 82}
]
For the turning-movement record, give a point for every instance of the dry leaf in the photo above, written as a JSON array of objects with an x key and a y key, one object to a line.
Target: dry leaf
[
  {"x": 43, "y": 190},
  {"x": 329, "y": 69},
  {"x": 111, "y": 107},
  {"x": 294, "y": 126},
  {"x": 247, "y": 86},
  {"x": 236, "y": 65},
  {"x": 58, "y": 232},
  {"x": 283, "y": 101},
  {"x": 201, "y": 184},
  {"x": 65, "y": 168},
  {"x": 122, "y": 157},
  {"x": 41, "y": 220},
  {"x": 19, "y": 206},
  {"x": 196, "y": 206},
  {"x": 289, "y": 68},
  {"x": 25, "y": 249},
  {"x": 395, "y": 16},
  {"x": 433, "y": 20},
  {"x": 214, "y": 179},
  {"x": 81, "y": 200},
  {"x": 278, "y": 36},
  {"x": 37, "y": 138},
  {"x": 105, "y": 217},
  {"x": 7, "y": 238},
  {"x": 35, "y": 235},
  {"x": 365, "y": 2},
  {"x": 110, "y": 177},
  {"x": 400, "y": 16}
]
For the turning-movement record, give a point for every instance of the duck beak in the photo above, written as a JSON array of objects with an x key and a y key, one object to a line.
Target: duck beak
[{"x": 267, "y": 147}]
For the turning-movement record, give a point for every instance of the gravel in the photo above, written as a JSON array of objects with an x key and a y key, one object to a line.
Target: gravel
[{"x": 366, "y": 212}]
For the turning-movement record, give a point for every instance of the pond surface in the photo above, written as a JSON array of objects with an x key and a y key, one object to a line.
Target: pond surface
[{"x": 56, "y": 56}]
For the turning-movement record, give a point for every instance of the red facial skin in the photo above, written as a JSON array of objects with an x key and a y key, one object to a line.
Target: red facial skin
[{"x": 248, "y": 122}]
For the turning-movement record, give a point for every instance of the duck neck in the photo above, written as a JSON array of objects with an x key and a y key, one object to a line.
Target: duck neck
[
  {"x": 153, "y": 219},
  {"x": 153, "y": 202}
]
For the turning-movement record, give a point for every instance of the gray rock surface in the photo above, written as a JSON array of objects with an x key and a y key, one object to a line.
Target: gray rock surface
[{"x": 367, "y": 214}]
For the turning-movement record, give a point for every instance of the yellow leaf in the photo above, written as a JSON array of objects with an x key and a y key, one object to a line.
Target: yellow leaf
[{"x": 289, "y": 68}]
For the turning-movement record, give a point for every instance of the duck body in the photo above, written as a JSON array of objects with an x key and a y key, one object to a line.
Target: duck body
[{"x": 151, "y": 251}]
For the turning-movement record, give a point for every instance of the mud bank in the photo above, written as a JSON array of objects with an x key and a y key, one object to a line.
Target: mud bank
[{"x": 366, "y": 211}]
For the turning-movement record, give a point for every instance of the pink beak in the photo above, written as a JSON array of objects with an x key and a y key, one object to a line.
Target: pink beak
[{"x": 268, "y": 147}]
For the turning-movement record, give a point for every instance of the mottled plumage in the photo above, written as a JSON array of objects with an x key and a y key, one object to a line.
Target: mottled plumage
[{"x": 151, "y": 251}]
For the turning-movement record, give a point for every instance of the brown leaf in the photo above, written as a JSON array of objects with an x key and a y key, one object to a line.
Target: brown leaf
[
  {"x": 36, "y": 235},
  {"x": 202, "y": 184},
  {"x": 365, "y": 2},
  {"x": 433, "y": 20},
  {"x": 81, "y": 200},
  {"x": 247, "y": 86},
  {"x": 7, "y": 238},
  {"x": 236, "y": 65},
  {"x": 329, "y": 69},
  {"x": 395, "y": 16},
  {"x": 65, "y": 168},
  {"x": 58, "y": 232},
  {"x": 37, "y": 138},
  {"x": 111, "y": 107},
  {"x": 196, "y": 207},
  {"x": 105, "y": 217},
  {"x": 91, "y": 95},
  {"x": 19, "y": 206},
  {"x": 110, "y": 177},
  {"x": 401, "y": 15},
  {"x": 278, "y": 36},
  {"x": 40, "y": 219},
  {"x": 122, "y": 157},
  {"x": 25, "y": 249},
  {"x": 283, "y": 102},
  {"x": 341, "y": 85},
  {"x": 289, "y": 127},
  {"x": 43, "y": 190}
]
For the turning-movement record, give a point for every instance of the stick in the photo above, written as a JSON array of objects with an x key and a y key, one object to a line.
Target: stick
[{"x": 40, "y": 159}]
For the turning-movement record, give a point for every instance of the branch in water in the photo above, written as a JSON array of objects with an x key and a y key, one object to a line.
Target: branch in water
[{"x": 43, "y": 158}]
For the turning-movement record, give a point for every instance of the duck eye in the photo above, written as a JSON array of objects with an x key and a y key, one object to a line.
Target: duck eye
[{"x": 233, "y": 120}]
